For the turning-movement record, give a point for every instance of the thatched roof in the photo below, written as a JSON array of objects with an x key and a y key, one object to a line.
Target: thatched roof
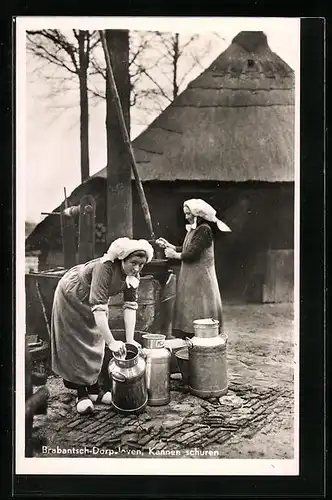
[
  {"x": 235, "y": 122},
  {"x": 29, "y": 227}
]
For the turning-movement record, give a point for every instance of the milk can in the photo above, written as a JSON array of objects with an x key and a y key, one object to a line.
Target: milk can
[
  {"x": 207, "y": 360},
  {"x": 158, "y": 360},
  {"x": 128, "y": 381}
]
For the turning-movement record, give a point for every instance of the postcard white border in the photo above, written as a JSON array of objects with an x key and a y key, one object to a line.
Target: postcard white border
[{"x": 139, "y": 466}]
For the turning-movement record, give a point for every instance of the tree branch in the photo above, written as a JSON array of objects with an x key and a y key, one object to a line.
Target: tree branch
[
  {"x": 76, "y": 34},
  {"x": 98, "y": 69},
  {"x": 88, "y": 49},
  {"x": 42, "y": 52},
  {"x": 95, "y": 35},
  {"x": 184, "y": 46},
  {"x": 168, "y": 44},
  {"x": 96, "y": 93},
  {"x": 60, "y": 42},
  {"x": 194, "y": 65},
  {"x": 161, "y": 90}
]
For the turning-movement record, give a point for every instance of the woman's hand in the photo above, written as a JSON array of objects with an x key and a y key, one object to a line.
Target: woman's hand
[
  {"x": 117, "y": 347},
  {"x": 164, "y": 243},
  {"x": 171, "y": 253}
]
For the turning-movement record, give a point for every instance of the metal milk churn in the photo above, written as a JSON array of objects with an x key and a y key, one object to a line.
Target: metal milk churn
[
  {"x": 207, "y": 360},
  {"x": 128, "y": 381},
  {"x": 158, "y": 361}
]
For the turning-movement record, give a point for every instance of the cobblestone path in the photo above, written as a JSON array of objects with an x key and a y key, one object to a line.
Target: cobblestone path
[{"x": 188, "y": 425}]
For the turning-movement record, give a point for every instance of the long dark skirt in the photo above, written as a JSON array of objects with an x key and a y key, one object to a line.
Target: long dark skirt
[{"x": 198, "y": 295}]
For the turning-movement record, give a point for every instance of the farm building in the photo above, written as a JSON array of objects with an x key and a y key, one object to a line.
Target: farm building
[{"x": 227, "y": 138}]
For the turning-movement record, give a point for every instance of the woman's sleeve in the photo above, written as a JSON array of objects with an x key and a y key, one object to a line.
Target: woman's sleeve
[
  {"x": 201, "y": 240},
  {"x": 130, "y": 297},
  {"x": 99, "y": 290}
]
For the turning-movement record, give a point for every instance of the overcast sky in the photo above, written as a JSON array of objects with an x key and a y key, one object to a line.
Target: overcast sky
[{"x": 50, "y": 158}]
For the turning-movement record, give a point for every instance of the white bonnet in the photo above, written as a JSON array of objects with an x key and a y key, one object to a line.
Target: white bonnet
[
  {"x": 200, "y": 208},
  {"x": 123, "y": 247}
]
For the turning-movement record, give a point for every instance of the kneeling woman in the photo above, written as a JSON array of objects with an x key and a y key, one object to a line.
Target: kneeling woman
[{"x": 80, "y": 326}]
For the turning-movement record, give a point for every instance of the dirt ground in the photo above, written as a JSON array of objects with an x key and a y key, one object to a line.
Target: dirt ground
[
  {"x": 260, "y": 356},
  {"x": 261, "y": 353}
]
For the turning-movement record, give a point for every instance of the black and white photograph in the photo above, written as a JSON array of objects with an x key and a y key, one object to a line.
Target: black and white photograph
[{"x": 157, "y": 258}]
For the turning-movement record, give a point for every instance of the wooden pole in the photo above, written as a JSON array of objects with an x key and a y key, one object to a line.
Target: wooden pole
[
  {"x": 119, "y": 198},
  {"x": 66, "y": 201},
  {"x": 125, "y": 135},
  {"x": 48, "y": 328},
  {"x": 86, "y": 243},
  {"x": 68, "y": 237}
]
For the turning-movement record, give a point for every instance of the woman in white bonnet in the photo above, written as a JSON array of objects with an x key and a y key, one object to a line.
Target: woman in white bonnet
[
  {"x": 198, "y": 294},
  {"x": 80, "y": 325}
]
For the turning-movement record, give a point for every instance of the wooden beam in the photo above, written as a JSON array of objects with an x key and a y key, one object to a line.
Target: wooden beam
[
  {"x": 86, "y": 244},
  {"x": 113, "y": 40},
  {"x": 68, "y": 233},
  {"x": 119, "y": 192}
]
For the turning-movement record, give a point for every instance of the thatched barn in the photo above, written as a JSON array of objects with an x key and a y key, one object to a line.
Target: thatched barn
[{"x": 227, "y": 138}]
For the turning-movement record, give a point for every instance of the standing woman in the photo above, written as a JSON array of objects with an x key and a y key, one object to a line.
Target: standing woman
[
  {"x": 198, "y": 294},
  {"x": 80, "y": 326}
]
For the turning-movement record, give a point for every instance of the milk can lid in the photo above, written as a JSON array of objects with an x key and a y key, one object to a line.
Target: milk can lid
[{"x": 206, "y": 321}]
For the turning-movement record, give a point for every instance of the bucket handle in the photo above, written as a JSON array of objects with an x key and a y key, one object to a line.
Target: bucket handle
[
  {"x": 118, "y": 377},
  {"x": 224, "y": 336},
  {"x": 142, "y": 352},
  {"x": 189, "y": 343},
  {"x": 168, "y": 347}
]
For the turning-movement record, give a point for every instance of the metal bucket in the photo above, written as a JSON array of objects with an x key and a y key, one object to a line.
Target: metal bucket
[
  {"x": 206, "y": 328},
  {"x": 147, "y": 299},
  {"x": 175, "y": 345},
  {"x": 182, "y": 359}
]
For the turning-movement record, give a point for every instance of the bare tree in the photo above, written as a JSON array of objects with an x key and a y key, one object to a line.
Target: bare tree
[
  {"x": 140, "y": 44},
  {"x": 164, "y": 70},
  {"x": 160, "y": 66},
  {"x": 71, "y": 53},
  {"x": 83, "y": 39}
]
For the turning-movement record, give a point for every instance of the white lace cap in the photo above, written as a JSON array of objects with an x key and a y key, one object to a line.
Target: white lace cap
[
  {"x": 123, "y": 247},
  {"x": 200, "y": 208}
]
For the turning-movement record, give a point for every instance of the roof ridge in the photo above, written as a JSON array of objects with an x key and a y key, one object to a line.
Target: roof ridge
[{"x": 251, "y": 40}]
